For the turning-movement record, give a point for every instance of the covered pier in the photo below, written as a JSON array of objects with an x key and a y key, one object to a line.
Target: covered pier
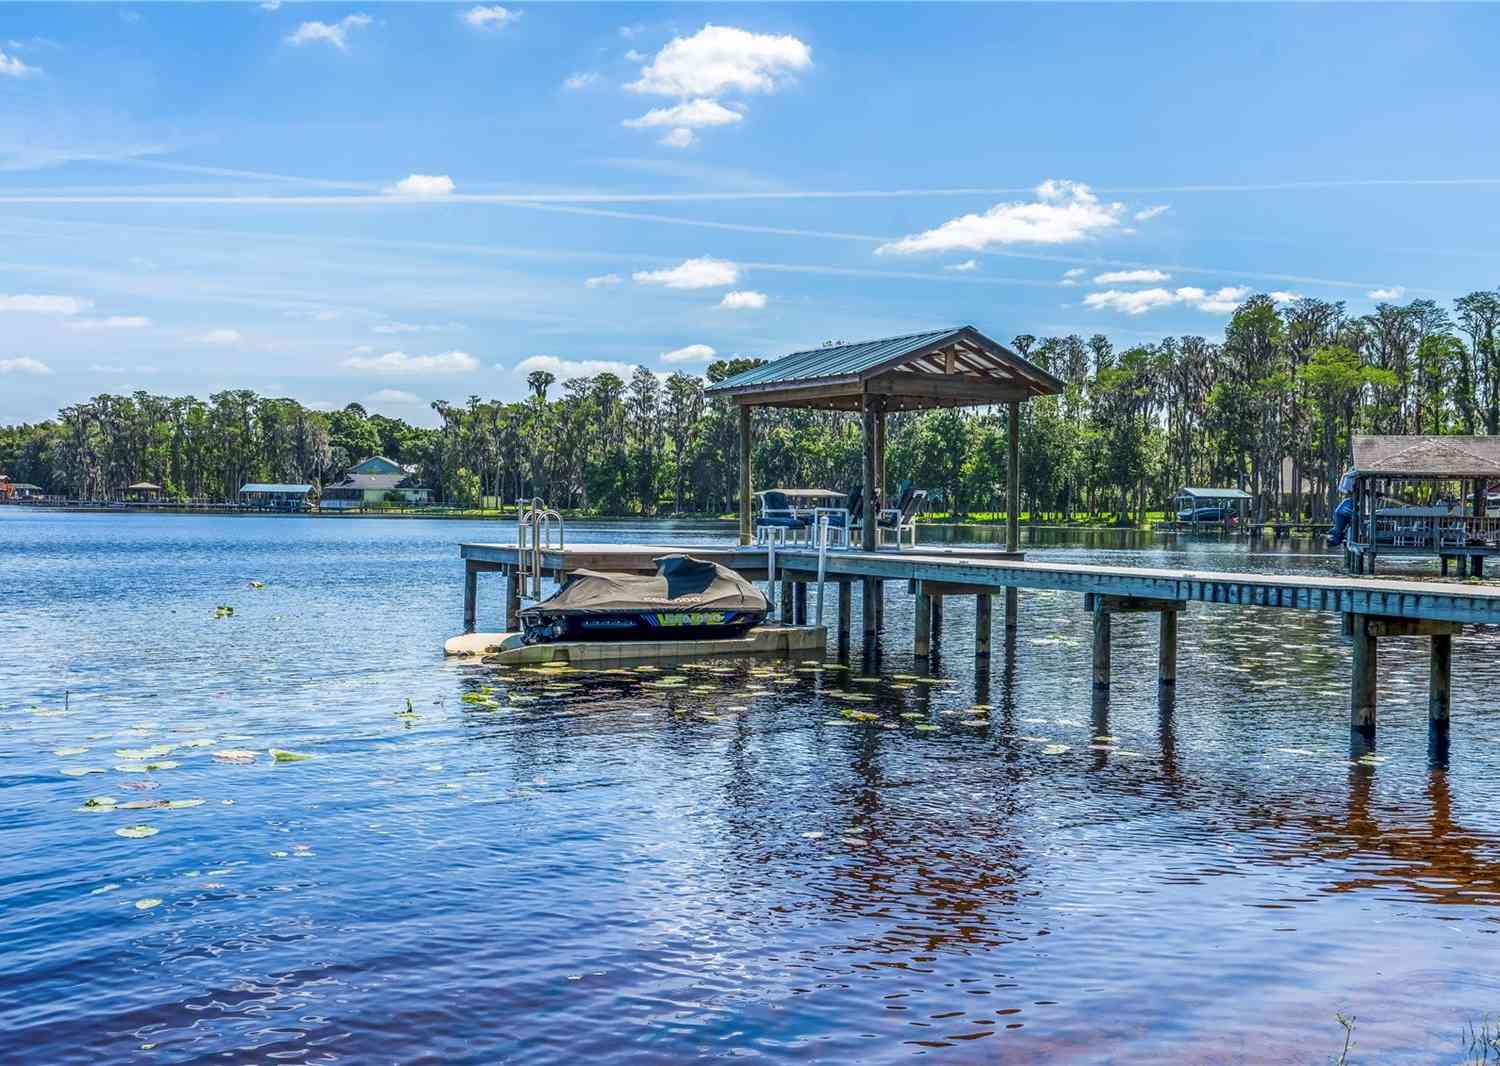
[{"x": 953, "y": 367}]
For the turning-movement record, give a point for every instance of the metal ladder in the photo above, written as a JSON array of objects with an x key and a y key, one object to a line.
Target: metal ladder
[{"x": 536, "y": 519}]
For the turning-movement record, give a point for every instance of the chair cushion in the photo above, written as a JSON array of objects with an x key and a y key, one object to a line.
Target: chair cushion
[{"x": 781, "y": 523}]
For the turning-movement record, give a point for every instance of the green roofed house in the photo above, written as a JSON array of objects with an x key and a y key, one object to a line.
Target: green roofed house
[
  {"x": 374, "y": 482},
  {"x": 273, "y": 496}
]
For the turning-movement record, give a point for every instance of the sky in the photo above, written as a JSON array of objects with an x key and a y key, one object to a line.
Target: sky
[{"x": 397, "y": 204}]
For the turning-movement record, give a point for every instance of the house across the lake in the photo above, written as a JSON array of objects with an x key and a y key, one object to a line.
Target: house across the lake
[
  {"x": 11, "y": 491},
  {"x": 274, "y": 496},
  {"x": 375, "y": 482}
]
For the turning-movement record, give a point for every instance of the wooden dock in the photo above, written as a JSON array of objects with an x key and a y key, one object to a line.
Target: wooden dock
[{"x": 1371, "y": 608}]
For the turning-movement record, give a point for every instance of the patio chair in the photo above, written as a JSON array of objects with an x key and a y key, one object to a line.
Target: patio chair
[
  {"x": 777, "y": 520},
  {"x": 900, "y": 521},
  {"x": 841, "y": 520}
]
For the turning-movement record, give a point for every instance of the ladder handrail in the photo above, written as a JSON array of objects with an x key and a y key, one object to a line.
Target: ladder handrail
[{"x": 537, "y": 518}]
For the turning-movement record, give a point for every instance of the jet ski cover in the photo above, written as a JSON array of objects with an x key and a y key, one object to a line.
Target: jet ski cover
[{"x": 681, "y": 583}]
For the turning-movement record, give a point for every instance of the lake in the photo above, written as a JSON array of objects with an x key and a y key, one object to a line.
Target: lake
[{"x": 618, "y": 867}]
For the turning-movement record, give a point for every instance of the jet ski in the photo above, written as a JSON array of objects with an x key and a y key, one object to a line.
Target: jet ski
[{"x": 687, "y": 599}]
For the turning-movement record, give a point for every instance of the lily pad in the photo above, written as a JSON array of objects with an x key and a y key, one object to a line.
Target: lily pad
[
  {"x": 236, "y": 755},
  {"x": 1054, "y": 749},
  {"x": 79, "y": 771},
  {"x": 147, "y": 904},
  {"x": 137, "y": 832},
  {"x": 282, "y": 755},
  {"x": 65, "y": 752},
  {"x": 926, "y": 727}
]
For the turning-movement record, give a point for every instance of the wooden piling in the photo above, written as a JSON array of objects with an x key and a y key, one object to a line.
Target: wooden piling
[
  {"x": 745, "y": 453},
  {"x": 799, "y": 603},
  {"x": 512, "y": 599},
  {"x": 1166, "y": 652},
  {"x": 879, "y": 604},
  {"x": 1101, "y": 646},
  {"x": 1440, "y": 681},
  {"x": 1362, "y": 683},
  {"x": 922, "y": 624},
  {"x": 1012, "y": 606},
  {"x": 846, "y": 609},
  {"x": 982, "y": 625},
  {"x": 937, "y": 617},
  {"x": 785, "y": 614},
  {"x": 868, "y": 592},
  {"x": 471, "y": 598}
]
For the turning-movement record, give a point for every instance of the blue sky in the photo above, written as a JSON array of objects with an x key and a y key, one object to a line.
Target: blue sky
[{"x": 401, "y": 203}]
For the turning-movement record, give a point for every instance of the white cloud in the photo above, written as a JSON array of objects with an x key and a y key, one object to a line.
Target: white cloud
[
  {"x": 270, "y": 5},
  {"x": 678, "y": 138},
  {"x": 493, "y": 17},
  {"x": 44, "y": 304},
  {"x": 397, "y": 327},
  {"x": 1395, "y": 292},
  {"x": 1129, "y": 277},
  {"x": 24, "y": 364},
  {"x": 1146, "y": 214},
  {"x": 422, "y": 186},
  {"x": 1285, "y": 297},
  {"x": 115, "y": 368},
  {"x": 391, "y": 396},
  {"x": 719, "y": 59},
  {"x": 403, "y": 365},
  {"x": 335, "y": 33},
  {"x": 602, "y": 280},
  {"x": 1063, "y": 211},
  {"x": 563, "y": 369},
  {"x": 325, "y": 314},
  {"x": 743, "y": 300},
  {"x": 693, "y": 353},
  {"x": 702, "y": 273},
  {"x": 1076, "y": 272},
  {"x": 1139, "y": 301},
  {"x": 220, "y": 336},
  {"x": 635, "y": 57},
  {"x": 580, "y": 81},
  {"x": 14, "y": 67},
  {"x": 691, "y": 114},
  {"x": 966, "y": 265},
  {"x": 112, "y": 322}
]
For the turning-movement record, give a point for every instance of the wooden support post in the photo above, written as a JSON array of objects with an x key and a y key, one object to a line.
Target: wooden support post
[
  {"x": 512, "y": 599},
  {"x": 867, "y": 535},
  {"x": 471, "y": 598},
  {"x": 1101, "y": 646},
  {"x": 1362, "y": 684},
  {"x": 799, "y": 603},
  {"x": 1440, "y": 681},
  {"x": 982, "y": 604},
  {"x": 880, "y": 605},
  {"x": 846, "y": 609},
  {"x": 937, "y": 617},
  {"x": 922, "y": 624},
  {"x": 1166, "y": 654},
  {"x": 1012, "y": 607},
  {"x": 745, "y": 445},
  {"x": 1013, "y": 486},
  {"x": 1478, "y": 567},
  {"x": 867, "y": 606},
  {"x": 879, "y": 495},
  {"x": 1463, "y": 566},
  {"x": 1443, "y": 565},
  {"x": 785, "y": 615}
]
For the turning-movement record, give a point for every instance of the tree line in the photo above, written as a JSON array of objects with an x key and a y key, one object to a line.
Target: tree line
[{"x": 1270, "y": 406}]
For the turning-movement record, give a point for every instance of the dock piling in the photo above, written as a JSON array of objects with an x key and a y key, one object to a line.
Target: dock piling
[
  {"x": 1012, "y": 606},
  {"x": 471, "y": 598},
  {"x": 786, "y": 601},
  {"x": 1166, "y": 655},
  {"x": 1440, "y": 681},
  {"x": 982, "y": 625},
  {"x": 937, "y": 616},
  {"x": 799, "y": 603},
  {"x": 846, "y": 609},
  {"x": 868, "y": 592},
  {"x": 1362, "y": 684},
  {"x": 512, "y": 599},
  {"x": 922, "y": 623},
  {"x": 1101, "y": 644}
]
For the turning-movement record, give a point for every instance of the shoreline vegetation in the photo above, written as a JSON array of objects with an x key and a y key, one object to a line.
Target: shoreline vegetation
[{"x": 1271, "y": 407}]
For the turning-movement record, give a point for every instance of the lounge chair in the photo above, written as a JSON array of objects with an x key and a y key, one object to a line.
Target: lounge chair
[
  {"x": 903, "y": 519},
  {"x": 841, "y": 520},
  {"x": 777, "y": 520}
]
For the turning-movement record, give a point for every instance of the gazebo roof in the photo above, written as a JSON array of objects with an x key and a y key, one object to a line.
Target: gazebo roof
[
  {"x": 1213, "y": 494},
  {"x": 1427, "y": 457},
  {"x": 954, "y": 367},
  {"x": 141, "y": 485}
]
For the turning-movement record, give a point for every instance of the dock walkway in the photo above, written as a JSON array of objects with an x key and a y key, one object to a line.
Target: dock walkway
[{"x": 1371, "y": 608}]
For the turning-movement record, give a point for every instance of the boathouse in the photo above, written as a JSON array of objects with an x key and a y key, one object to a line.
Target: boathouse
[
  {"x": 1209, "y": 506},
  {"x": 275, "y": 496},
  {"x": 1418, "y": 496}
]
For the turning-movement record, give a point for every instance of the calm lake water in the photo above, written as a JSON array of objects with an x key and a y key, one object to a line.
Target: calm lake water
[{"x": 618, "y": 867}]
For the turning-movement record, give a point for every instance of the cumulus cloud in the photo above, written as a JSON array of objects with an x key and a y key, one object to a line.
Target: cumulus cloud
[
  {"x": 602, "y": 280},
  {"x": 493, "y": 17},
  {"x": 693, "y": 353},
  {"x": 1395, "y": 292},
  {"x": 743, "y": 300},
  {"x": 399, "y": 364},
  {"x": 1286, "y": 297},
  {"x": 44, "y": 304},
  {"x": 1063, "y": 212},
  {"x": 422, "y": 186},
  {"x": 392, "y": 396},
  {"x": 633, "y": 56},
  {"x": 681, "y": 137},
  {"x": 720, "y": 59},
  {"x": 24, "y": 364},
  {"x": 705, "y": 272},
  {"x": 691, "y": 114},
  {"x": 1070, "y": 277},
  {"x": 1128, "y": 277},
  {"x": 13, "y": 67},
  {"x": 966, "y": 265},
  {"x": 563, "y": 369},
  {"x": 219, "y": 336},
  {"x": 334, "y": 33},
  {"x": 111, "y": 322},
  {"x": 1139, "y": 301},
  {"x": 581, "y": 80},
  {"x": 1146, "y": 214}
]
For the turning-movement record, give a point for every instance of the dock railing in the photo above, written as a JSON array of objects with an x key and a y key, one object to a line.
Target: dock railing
[{"x": 535, "y": 523}]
